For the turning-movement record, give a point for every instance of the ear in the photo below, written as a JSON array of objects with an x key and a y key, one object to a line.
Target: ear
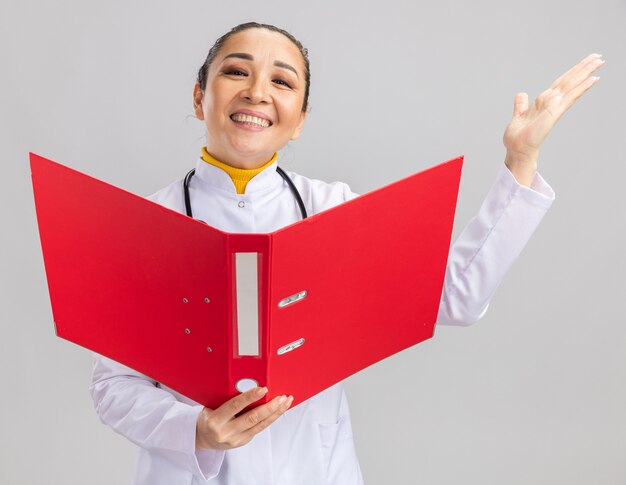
[
  {"x": 298, "y": 130},
  {"x": 198, "y": 95}
]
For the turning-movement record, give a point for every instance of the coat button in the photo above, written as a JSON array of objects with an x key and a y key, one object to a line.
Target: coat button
[{"x": 241, "y": 203}]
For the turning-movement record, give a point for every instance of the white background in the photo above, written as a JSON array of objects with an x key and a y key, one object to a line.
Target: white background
[{"x": 533, "y": 394}]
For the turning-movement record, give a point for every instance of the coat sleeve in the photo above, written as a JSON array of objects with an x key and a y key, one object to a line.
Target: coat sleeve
[
  {"x": 489, "y": 244},
  {"x": 135, "y": 407},
  {"x": 487, "y": 247}
]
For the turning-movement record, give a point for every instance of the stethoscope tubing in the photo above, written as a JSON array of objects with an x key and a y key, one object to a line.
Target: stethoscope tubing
[{"x": 280, "y": 171}]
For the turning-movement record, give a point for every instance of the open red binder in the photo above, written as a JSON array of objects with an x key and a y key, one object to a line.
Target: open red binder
[{"x": 156, "y": 290}]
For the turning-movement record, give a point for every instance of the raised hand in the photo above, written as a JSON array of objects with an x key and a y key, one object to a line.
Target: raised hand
[
  {"x": 531, "y": 124},
  {"x": 222, "y": 429}
]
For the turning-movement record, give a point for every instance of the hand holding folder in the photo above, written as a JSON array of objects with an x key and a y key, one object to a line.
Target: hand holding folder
[
  {"x": 157, "y": 291},
  {"x": 228, "y": 427}
]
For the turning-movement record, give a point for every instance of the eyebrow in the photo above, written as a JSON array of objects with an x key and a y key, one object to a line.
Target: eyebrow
[{"x": 249, "y": 57}]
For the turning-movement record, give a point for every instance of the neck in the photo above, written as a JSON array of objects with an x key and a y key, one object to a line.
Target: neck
[
  {"x": 243, "y": 161},
  {"x": 239, "y": 176}
]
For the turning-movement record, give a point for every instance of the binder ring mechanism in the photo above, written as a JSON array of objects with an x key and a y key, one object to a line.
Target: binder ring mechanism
[
  {"x": 292, "y": 299},
  {"x": 289, "y": 347},
  {"x": 188, "y": 330},
  {"x": 282, "y": 304}
]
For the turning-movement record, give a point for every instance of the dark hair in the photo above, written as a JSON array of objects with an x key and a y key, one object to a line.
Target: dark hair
[{"x": 202, "y": 73}]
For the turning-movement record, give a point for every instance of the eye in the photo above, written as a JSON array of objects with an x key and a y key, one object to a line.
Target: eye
[
  {"x": 282, "y": 82},
  {"x": 234, "y": 72}
]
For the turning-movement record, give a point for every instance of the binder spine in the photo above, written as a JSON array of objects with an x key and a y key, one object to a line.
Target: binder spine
[{"x": 248, "y": 272}]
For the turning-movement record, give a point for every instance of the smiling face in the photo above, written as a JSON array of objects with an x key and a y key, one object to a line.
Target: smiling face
[{"x": 252, "y": 104}]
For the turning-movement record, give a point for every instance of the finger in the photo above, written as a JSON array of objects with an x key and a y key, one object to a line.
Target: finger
[
  {"x": 520, "y": 104},
  {"x": 578, "y": 73},
  {"x": 235, "y": 405},
  {"x": 576, "y": 69},
  {"x": 260, "y": 426},
  {"x": 580, "y": 76},
  {"x": 570, "y": 98},
  {"x": 255, "y": 416}
]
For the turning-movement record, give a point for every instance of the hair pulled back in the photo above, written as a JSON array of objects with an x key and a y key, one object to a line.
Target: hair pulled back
[{"x": 219, "y": 43}]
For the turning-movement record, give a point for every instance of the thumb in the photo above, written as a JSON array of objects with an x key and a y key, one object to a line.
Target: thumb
[{"x": 520, "y": 104}]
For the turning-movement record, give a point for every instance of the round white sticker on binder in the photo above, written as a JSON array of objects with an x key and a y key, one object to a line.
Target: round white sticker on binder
[{"x": 244, "y": 385}]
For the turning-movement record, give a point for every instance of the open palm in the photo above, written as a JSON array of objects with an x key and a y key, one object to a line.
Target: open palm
[{"x": 530, "y": 125}]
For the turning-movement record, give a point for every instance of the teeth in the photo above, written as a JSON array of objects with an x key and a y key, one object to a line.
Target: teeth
[{"x": 251, "y": 120}]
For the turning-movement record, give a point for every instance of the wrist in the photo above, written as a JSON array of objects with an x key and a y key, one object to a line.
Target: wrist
[
  {"x": 522, "y": 168},
  {"x": 200, "y": 442}
]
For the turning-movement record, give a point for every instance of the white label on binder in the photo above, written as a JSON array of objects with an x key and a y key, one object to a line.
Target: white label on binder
[{"x": 247, "y": 303}]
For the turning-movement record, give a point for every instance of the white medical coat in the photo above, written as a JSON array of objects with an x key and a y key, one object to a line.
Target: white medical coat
[{"x": 312, "y": 443}]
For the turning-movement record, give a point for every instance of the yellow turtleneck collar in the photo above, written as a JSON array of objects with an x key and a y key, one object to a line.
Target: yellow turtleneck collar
[{"x": 239, "y": 176}]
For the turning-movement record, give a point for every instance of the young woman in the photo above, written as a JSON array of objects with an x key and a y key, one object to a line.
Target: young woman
[{"x": 252, "y": 96}]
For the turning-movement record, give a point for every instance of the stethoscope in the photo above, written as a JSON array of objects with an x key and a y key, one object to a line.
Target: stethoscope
[{"x": 280, "y": 171}]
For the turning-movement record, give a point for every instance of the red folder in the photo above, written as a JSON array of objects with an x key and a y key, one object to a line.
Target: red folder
[{"x": 155, "y": 290}]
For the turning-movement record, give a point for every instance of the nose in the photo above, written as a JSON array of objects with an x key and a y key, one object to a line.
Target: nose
[{"x": 257, "y": 91}]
